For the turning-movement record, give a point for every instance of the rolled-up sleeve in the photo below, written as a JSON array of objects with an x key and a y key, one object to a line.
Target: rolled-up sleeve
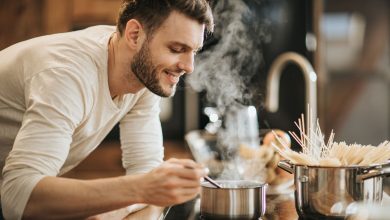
[
  {"x": 53, "y": 110},
  {"x": 141, "y": 135}
]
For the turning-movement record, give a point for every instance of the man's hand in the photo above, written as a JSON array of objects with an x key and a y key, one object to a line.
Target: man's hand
[{"x": 173, "y": 182}]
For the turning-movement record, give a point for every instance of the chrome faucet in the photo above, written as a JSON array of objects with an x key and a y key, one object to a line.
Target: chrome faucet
[{"x": 310, "y": 77}]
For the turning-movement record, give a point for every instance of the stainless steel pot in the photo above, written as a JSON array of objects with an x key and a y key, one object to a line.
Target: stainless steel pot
[
  {"x": 237, "y": 199},
  {"x": 335, "y": 191}
]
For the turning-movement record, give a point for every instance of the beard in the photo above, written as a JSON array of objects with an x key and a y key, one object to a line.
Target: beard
[{"x": 147, "y": 72}]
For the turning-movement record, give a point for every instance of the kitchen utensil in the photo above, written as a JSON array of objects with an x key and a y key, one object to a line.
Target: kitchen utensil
[
  {"x": 207, "y": 178},
  {"x": 237, "y": 199},
  {"x": 333, "y": 191}
]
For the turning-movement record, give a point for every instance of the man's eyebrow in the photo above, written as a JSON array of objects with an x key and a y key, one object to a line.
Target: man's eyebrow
[{"x": 176, "y": 43}]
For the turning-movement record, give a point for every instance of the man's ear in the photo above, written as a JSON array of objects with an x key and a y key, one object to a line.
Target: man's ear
[{"x": 134, "y": 34}]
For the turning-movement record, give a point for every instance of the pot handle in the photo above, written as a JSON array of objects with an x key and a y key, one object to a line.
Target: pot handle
[
  {"x": 374, "y": 173},
  {"x": 286, "y": 166}
]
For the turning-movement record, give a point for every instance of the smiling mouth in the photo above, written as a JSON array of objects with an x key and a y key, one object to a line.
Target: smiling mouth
[{"x": 173, "y": 78}]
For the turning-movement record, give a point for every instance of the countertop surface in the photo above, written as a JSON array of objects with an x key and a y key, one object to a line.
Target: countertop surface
[{"x": 279, "y": 207}]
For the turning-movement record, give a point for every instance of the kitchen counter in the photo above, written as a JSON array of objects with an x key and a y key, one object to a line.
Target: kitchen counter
[{"x": 279, "y": 207}]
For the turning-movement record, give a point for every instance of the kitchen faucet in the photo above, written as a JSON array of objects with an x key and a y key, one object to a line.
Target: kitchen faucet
[{"x": 310, "y": 77}]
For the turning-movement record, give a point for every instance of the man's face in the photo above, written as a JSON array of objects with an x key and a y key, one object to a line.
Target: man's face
[{"x": 169, "y": 54}]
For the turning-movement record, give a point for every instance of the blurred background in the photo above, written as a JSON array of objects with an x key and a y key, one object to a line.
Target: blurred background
[{"x": 347, "y": 43}]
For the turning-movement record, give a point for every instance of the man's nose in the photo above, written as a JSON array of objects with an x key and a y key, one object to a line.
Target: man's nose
[{"x": 186, "y": 63}]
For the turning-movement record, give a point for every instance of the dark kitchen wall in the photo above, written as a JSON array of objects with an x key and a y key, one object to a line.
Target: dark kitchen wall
[{"x": 291, "y": 22}]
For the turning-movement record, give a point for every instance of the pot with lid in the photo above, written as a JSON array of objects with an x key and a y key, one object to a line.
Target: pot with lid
[
  {"x": 334, "y": 191},
  {"x": 237, "y": 199}
]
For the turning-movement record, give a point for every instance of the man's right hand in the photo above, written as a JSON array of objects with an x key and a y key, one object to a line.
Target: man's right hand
[{"x": 175, "y": 181}]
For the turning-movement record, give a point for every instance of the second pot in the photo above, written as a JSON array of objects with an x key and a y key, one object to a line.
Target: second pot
[{"x": 335, "y": 191}]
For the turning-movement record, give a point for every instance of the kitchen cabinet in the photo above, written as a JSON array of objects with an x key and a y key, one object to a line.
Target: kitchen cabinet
[{"x": 24, "y": 19}]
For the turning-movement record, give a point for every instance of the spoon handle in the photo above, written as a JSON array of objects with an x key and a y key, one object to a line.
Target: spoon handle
[
  {"x": 208, "y": 179},
  {"x": 212, "y": 182}
]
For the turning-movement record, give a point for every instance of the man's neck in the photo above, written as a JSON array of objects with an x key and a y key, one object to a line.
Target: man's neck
[{"x": 121, "y": 80}]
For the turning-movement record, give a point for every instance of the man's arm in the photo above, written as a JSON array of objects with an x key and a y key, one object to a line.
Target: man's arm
[
  {"x": 171, "y": 183},
  {"x": 141, "y": 135},
  {"x": 55, "y": 108},
  {"x": 53, "y": 100}
]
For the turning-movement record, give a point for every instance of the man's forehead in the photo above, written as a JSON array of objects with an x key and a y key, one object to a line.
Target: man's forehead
[{"x": 181, "y": 29}]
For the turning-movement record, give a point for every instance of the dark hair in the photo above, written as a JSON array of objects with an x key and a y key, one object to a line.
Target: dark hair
[{"x": 152, "y": 13}]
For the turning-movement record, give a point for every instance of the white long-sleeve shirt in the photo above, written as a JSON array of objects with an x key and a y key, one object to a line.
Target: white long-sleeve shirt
[{"x": 55, "y": 109}]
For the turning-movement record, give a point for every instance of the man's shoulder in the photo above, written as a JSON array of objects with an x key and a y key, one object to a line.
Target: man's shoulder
[{"x": 101, "y": 28}]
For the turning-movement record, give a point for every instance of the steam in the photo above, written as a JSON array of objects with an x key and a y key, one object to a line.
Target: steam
[
  {"x": 227, "y": 66},
  {"x": 225, "y": 69}
]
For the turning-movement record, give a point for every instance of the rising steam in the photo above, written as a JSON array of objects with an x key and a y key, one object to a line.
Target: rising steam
[
  {"x": 233, "y": 56},
  {"x": 226, "y": 68}
]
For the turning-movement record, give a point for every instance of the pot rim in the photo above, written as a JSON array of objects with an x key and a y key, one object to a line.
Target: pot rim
[
  {"x": 251, "y": 184},
  {"x": 344, "y": 167}
]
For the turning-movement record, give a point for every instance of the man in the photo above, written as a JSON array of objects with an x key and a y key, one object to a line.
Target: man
[{"x": 61, "y": 94}]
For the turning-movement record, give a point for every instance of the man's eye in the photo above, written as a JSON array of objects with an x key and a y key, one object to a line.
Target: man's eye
[{"x": 175, "y": 50}]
